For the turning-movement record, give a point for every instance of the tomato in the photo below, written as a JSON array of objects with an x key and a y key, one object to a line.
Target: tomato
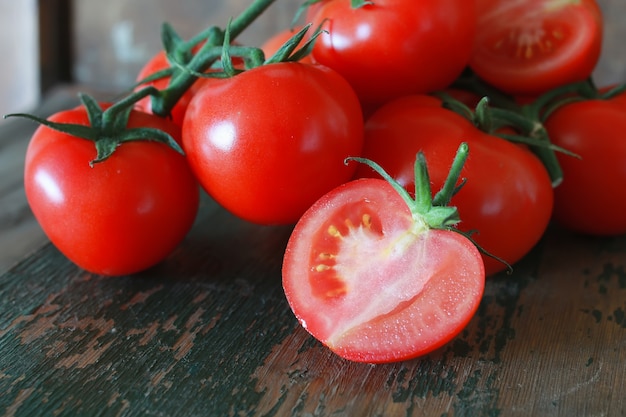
[
  {"x": 124, "y": 214},
  {"x": 391, "y": 48},
  {"x": 508, "y": 196},
  {"x": 589, "y": 200},
  {"x": 268, "y": 142},
  {"x": 372, "y": 284},
  {"x": 530, "y": 47}
]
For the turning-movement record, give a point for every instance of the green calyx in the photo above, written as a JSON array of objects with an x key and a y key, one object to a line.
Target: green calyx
[
  {"x": 190, "y": 59},
  {"x": 107, "y": 128},
  {"x": 427, "y": 211},
  {"x": 528, "y": 129}
]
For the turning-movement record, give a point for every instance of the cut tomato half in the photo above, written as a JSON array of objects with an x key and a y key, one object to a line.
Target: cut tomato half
[
  {"x": 532, "y": 46},
  {"x": 371, "y": 283}
]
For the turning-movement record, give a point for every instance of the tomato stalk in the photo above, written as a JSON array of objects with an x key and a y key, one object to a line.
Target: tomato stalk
[
  {"x": 108, "y": 128},
  {"x": 530, "y": 129},
  {"x": 427, "y": 211},
  {"x": 186, "y": 66}
]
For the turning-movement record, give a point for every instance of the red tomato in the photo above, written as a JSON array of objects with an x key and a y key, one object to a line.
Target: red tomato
[
  {"x": 124, "y": 214},
  {"x": 508, "y": 196},
  {"x": 268, "y": 142},
  {"x": 529, "y": 47},
  {"x": 371, "y": 283},
  {"x": 590, "y": 198},
  {"x": 395, "y": 47}
]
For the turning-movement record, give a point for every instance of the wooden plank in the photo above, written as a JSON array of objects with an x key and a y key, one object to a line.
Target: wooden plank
[{"x": 208, "y": 332}]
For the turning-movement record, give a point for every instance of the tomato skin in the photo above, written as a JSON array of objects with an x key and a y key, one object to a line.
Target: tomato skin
[
  {"x": 395, "y": 47},
  {"x": 508, "y": 195},
  {"x": 267, "y": 143},
  {"x": 389, "y": 293},
  {"x": 530, "y": 47},
  {"x": 589, "y": 199},
  {"x": 122, "y": 216}
]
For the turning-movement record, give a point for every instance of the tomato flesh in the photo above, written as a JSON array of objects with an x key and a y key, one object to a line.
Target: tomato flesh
[
  {"x": 372, "y": 284},
  {"x": 529, "y": 47}
]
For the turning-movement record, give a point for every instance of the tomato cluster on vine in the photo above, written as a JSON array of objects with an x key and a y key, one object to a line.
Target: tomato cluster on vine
[{"x": 342, "y": 125}]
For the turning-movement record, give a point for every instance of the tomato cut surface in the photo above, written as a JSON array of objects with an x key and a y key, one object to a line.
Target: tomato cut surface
[
  {"x": 532, "y": 46},
  {"x": 371, "y": 283}
]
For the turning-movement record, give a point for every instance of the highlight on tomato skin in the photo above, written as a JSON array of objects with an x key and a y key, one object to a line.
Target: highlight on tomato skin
[
  {"x": 371, "y": 284},
  {"x": 381, "y": 47}
]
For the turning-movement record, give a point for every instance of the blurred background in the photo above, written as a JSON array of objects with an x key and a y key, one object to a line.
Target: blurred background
[{"x": 103, "y": 44}]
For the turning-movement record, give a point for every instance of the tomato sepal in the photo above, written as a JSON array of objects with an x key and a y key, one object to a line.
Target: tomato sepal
[
  {"x": 422, "y": 206},
  {"x": 108, "y": 128}
]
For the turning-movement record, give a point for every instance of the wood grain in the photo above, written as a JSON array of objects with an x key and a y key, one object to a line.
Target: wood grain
[{"x": 208, "y": 332}]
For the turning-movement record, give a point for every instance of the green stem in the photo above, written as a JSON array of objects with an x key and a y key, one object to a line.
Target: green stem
[
  {"x": 181, "y": 81},
  {"x": 241, "y": 22},
  {"x": 450, "y": 188}
]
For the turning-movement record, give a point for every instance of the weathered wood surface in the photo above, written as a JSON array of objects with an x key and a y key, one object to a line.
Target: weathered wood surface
[{"x": 208, "y": 333}]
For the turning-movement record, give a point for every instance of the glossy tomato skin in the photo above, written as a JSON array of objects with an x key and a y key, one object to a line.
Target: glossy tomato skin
[
  {"x": 361, "y": 279},
  {"x": 267, "y": 143},
  {"x": 590, "y": 200},
  {"x": 530, "y": 47},
  {"x": 395, "y": 47},
  {"x": 122, "y": 215},
  {"x": 508, "y": 196}
]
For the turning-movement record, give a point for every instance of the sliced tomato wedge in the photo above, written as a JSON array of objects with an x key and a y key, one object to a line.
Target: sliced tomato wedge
[
  {"x": 532, "y": 46},
  {"x": 372, "y": 283}
]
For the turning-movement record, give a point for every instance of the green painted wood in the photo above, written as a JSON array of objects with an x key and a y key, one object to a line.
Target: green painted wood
[{"x": 209, "y": 333}]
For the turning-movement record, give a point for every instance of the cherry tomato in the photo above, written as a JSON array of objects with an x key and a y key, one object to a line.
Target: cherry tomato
[
  {"x": 268, "y": 142},
  {"x": 124, "y": 214},
  {"x": 530, "y": 47},
  {"x": 590, "y": 199},
  {"x": 508, "y": 197},
  {"x": 389, "y": 48},
  {"x": 365, "y": 279}
]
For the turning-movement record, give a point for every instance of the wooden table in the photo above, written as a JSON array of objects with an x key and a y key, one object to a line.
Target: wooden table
[{"x": 209, "y": 333}]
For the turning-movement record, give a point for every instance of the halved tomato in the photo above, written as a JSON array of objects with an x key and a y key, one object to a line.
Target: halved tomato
[
  {"x": 372, "y": 283},
  {"x": 531, "y": 46}
]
